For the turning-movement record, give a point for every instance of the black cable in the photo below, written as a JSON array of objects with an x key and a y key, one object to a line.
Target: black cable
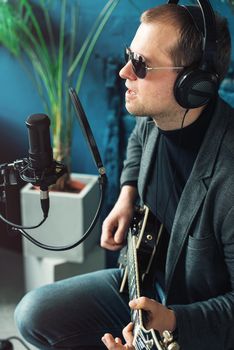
[
  {"x": 20, "y": 226},
  {"x": 102, "y": 182},
  {"x": 5, "y": 344}
]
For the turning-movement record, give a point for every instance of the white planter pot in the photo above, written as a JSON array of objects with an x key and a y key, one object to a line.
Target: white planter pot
[{"x": 69, "y": 217}]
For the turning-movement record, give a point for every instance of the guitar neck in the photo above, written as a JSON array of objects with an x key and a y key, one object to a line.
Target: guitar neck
[
  {"x": 133, "y": 277},
  {"x": 142, "y": 241}
]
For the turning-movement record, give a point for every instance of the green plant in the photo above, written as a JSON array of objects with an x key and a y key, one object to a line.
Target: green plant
[{"x": 51, "y": 56}]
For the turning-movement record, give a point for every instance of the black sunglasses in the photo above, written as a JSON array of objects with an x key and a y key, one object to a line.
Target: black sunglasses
[{"x": 139, "y": 65}]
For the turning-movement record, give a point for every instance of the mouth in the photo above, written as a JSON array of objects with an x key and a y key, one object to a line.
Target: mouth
[{"x": 130, "y": 92}]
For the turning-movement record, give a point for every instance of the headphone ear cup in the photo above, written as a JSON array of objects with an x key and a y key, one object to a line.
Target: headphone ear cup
[{"x": 195, "y": 87}]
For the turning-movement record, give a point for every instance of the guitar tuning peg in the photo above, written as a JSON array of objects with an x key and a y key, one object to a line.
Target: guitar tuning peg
[
  {"x": 167, "y": 337},
  {"x": 168, "y": 341},
  {"x": 173, "y": 346}
]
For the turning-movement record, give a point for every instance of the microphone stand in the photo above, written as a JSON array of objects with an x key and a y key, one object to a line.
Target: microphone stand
[{"x": 10, "y": 177}]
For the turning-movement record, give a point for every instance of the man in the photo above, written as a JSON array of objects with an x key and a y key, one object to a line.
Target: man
[{"x": 180, "y": 163}]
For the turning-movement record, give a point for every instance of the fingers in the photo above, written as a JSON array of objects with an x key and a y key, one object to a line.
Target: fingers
[
  {"x": 142, "y": 303},
  {"x": 116, "y": 224},
  {"x": 116, "y": 343},
  {"x": 112, "y": 343},
  {"x": 113, "y": 234},
  {"x": 127, "y": 333},
  {"x": 108, "y": 240},
  {"x": 158, "y": 316},
  {"x": 119, "y": 236}
]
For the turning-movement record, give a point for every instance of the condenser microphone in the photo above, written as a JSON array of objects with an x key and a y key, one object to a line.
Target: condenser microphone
[
  {"x": 40, "y": 151},
  {"x": 40, "y": 161},
  {"x": 39, "y": 169}
]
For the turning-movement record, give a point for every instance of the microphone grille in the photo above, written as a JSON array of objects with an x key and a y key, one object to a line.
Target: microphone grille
[{"x": 38, "y": 119}]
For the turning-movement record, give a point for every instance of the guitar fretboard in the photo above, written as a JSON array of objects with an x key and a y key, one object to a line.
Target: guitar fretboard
[{"x": 133, "y": 278}]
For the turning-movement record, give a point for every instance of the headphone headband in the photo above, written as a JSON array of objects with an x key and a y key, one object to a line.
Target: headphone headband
[
  {"x": 196, "y": 86},
  {"x": 208, "y": 32}
]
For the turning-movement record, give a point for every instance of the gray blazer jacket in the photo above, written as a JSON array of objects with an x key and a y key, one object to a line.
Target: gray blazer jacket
[{"x": 200, "y": 260}]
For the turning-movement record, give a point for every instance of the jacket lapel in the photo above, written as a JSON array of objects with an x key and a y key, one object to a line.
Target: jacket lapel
[
  {"x": 147, "y": 156},
  {"x": 195, "y": 189}
]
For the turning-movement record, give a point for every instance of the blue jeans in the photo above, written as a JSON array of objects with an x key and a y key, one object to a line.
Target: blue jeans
[{"x": 74, "y": 313}]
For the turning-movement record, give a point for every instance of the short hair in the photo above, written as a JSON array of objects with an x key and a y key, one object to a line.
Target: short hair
[{"x": 188, "y": 50}]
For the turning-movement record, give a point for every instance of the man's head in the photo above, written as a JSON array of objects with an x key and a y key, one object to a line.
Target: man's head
[
  {"x": 188, "y": 50},
  {"x": 168, "y": 37}
]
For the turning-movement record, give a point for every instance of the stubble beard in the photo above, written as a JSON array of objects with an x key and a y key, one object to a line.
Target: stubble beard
[
  {"x": 142, "y": 111},
  {"x": 165, "y": 120}
]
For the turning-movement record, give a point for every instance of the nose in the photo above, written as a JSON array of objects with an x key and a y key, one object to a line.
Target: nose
[{"x": 127, "y": 72}]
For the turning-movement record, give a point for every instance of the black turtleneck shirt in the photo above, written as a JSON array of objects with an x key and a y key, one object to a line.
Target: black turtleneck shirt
[{"x": 174, "y": 158}]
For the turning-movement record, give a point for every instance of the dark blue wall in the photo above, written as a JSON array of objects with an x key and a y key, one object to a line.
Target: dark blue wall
[
  {"x": 101, "y": 94},
  {"x": 18, "y": 97}
]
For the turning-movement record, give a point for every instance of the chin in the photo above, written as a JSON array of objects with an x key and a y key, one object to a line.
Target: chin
[{"x": 134, "y": 111}]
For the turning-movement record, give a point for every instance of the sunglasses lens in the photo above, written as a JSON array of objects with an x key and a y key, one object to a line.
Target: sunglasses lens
[
  {"x": 139, "y": 68},
  {"x": 138, "y": 65}
]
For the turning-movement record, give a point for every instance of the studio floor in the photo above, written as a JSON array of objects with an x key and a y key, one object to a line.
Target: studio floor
[{"x": 11, "y": 291}]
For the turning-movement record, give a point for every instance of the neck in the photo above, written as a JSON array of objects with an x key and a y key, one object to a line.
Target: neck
[{"x": 178, "y": 120}]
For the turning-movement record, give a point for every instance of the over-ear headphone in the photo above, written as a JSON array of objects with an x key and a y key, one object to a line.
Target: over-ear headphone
[{"x": 197, "y": 85}]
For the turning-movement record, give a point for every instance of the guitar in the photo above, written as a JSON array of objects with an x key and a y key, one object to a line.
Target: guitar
[{"x": 136, "y": 259}]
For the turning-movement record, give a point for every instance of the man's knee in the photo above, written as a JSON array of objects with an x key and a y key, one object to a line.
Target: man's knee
[{"x": 29, "y": 314}]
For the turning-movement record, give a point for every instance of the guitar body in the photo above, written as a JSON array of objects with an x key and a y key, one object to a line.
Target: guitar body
[
  {"x": 147, "y": 231},
  {"x": 136, "y": 259}
]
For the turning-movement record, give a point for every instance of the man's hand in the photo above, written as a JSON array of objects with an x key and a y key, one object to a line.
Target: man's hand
[
  {"x": 159, "y": 316},
  {"x": 117, "y": 222},
  {"x": 116, "y": 343}
]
